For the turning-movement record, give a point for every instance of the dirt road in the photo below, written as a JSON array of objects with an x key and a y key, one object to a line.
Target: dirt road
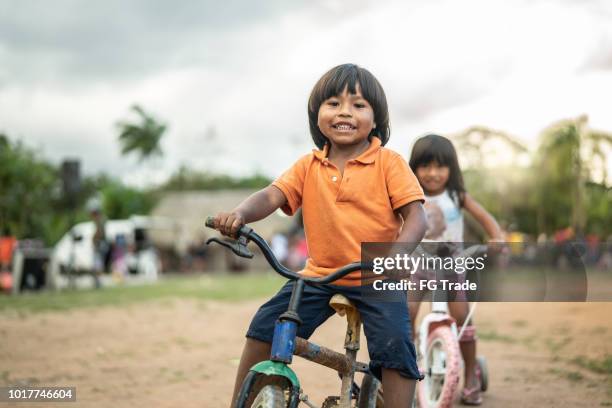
[{"x": 184, "y": 353}]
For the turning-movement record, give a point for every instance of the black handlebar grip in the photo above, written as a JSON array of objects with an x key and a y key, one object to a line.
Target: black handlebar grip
[{"x": 210, "y": 222}]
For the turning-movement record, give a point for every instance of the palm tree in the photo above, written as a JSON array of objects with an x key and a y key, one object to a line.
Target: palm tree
[
  {"x": 568, "y": 152},
  {"x": 494, "y": 167},
  {"x": 143, "y": 138}
]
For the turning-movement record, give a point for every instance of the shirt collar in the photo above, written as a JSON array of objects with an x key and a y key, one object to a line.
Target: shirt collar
[{"x": 367, "y": 157}]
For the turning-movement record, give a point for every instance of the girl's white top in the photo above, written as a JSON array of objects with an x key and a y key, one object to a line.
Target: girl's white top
[{"x": 452, "y": 231}]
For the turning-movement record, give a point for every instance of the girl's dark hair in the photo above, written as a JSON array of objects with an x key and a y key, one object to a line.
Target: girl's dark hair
[
  {"x": 333, "y": 83},
  {"x": 437, "y": 148}
]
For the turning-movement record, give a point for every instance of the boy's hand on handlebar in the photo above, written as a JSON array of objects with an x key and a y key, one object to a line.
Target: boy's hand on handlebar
[{"x": 228, "y": 223}]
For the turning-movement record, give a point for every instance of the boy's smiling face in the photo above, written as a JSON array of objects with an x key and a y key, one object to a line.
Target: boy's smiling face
[{"x": 346, "y": 119}]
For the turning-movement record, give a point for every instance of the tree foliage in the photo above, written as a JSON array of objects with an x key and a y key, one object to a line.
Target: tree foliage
[
  {"x": 120, "y": 201},
  {"x": 556, "y": 189},
  {"x": 31, "y": 200},
  {"x": 28, "y": 189},
  {"x": 143, "y": 138},
  {"x": 185, "y": 179},
  {"x": 564, "y": 165},
  {"x": 564, "y": 182}
]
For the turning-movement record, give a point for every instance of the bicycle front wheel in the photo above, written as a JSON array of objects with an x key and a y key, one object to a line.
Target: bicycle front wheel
[
  {"x": 442, "y": 370},
  {"x": 270, "y": 396}
]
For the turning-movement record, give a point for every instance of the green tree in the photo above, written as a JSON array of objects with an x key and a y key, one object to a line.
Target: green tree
[
  {"x": 120, "y": 201},
  {"x": 494, "y": 165},
  {"x": 185, "y": 179},
  {"x": 29, "y": 189},
  {"x": 31, "y": 201},
  {"x": 599, "y": 209},
  {"x": 142, "y": 138},
  {"x": 563, "y": 183},
  {"x": 564, "y": 165}
]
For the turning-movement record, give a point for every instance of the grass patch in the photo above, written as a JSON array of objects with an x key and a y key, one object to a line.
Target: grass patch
[
  {"x": 554, "y": 346},
  {"x": 493, "y": 335},
  {"x": 599, "y": 366},
  {"x": 573, "y": 376},
  {"x": 202, "y": 287},
  {"x": 519, "y": 323},
  {"x": 529, "y": 340}
]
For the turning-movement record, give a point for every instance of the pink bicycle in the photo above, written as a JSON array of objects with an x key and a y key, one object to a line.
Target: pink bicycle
[{"x": 438, "y": 350}]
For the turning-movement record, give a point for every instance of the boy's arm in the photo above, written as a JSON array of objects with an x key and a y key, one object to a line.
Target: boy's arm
[
  {"x": 415, "y": 224},
  {"x": 485, "y": 219},
  {"x": 256, "y": 207},
  {"x": 413, "y": 230}
]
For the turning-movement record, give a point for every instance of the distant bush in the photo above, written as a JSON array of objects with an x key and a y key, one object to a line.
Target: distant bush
[{"x": 185, "y": 179}]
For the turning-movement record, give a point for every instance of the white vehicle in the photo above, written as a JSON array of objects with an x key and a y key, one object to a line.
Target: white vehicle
[{"x": 72, "y": 259}]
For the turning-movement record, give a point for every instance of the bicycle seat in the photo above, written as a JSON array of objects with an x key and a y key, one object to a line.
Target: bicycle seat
[
  {"x": 342, "y": 305},
  {"x": 345, "y": 307}
]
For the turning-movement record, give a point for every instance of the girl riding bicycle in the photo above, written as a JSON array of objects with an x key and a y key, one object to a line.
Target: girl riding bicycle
[
  {"x": 434, "y": 161},
  {"x": 352, "y": 190}
]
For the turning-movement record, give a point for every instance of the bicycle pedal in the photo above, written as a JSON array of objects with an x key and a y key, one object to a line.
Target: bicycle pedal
[
  {"x": 304, "y": 399},
  {"x": 331, "y": 402}
]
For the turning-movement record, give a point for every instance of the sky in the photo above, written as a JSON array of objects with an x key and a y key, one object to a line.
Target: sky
[{"x": 231, "y": 79}]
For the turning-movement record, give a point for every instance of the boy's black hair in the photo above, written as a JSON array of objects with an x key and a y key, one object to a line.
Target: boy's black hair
[
  {"x": 333, "y": 82},
  {"x": 437, "y": 148}
]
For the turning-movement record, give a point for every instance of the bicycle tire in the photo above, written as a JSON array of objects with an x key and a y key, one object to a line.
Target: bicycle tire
[
  {"x": 442, "y": 370},
  {"x": 484, "y": 373},
  {"x": 270, "y": 396}
]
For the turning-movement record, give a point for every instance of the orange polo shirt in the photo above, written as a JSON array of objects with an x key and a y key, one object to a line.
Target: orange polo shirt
[{"x": 343, "y": 210}]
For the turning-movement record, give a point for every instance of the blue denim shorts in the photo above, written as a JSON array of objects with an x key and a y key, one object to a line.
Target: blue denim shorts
[{"x": 386, "y": 323}]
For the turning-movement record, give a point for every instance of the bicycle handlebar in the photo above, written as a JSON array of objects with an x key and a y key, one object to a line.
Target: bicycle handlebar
[
  {"x": 246, "y": 234},
  {"x": 471, "y": 251}
]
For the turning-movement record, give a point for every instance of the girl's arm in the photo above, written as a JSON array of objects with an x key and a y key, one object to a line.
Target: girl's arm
[
  {"x": 256, "y": 207},
  {"x": 485, "y": 219}
]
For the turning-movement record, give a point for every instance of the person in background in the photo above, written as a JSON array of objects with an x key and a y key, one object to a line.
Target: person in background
[
  {"x": 279, "y": 243},
  {"x": 7, "y": 246},
  {"x": 434, "y": 162},
  {"x": 101, "y": 246}
]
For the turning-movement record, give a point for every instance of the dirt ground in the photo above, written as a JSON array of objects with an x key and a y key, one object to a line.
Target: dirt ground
[{"x": 184, "y": 353}]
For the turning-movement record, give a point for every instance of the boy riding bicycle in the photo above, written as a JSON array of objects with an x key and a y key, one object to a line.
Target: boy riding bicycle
[{"x": 351, "y": 191}]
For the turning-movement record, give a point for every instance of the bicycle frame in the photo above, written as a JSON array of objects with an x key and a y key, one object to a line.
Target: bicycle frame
[
  {"x": 440, "y": 316},
  {"x": 285, "y": 342}
]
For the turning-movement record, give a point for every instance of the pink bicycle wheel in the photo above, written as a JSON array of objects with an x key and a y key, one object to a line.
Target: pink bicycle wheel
[{"x": 442, "y": 370}]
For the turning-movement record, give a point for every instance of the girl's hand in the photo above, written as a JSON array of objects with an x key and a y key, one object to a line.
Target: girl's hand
[
  {"x": 228, "y": 223},
  {"x": 498, "y": 245}
]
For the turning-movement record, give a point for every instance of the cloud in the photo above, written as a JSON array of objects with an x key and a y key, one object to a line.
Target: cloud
[
  {"x": 245, "y": 69},
  {"x": 600, "y": 57},
  {"x": 71, "y": 40}
]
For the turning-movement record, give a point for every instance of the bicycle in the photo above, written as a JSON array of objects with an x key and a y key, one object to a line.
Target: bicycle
[
  {"x": 272, "y": 383},
  {"x": 438, "y": 349}
]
